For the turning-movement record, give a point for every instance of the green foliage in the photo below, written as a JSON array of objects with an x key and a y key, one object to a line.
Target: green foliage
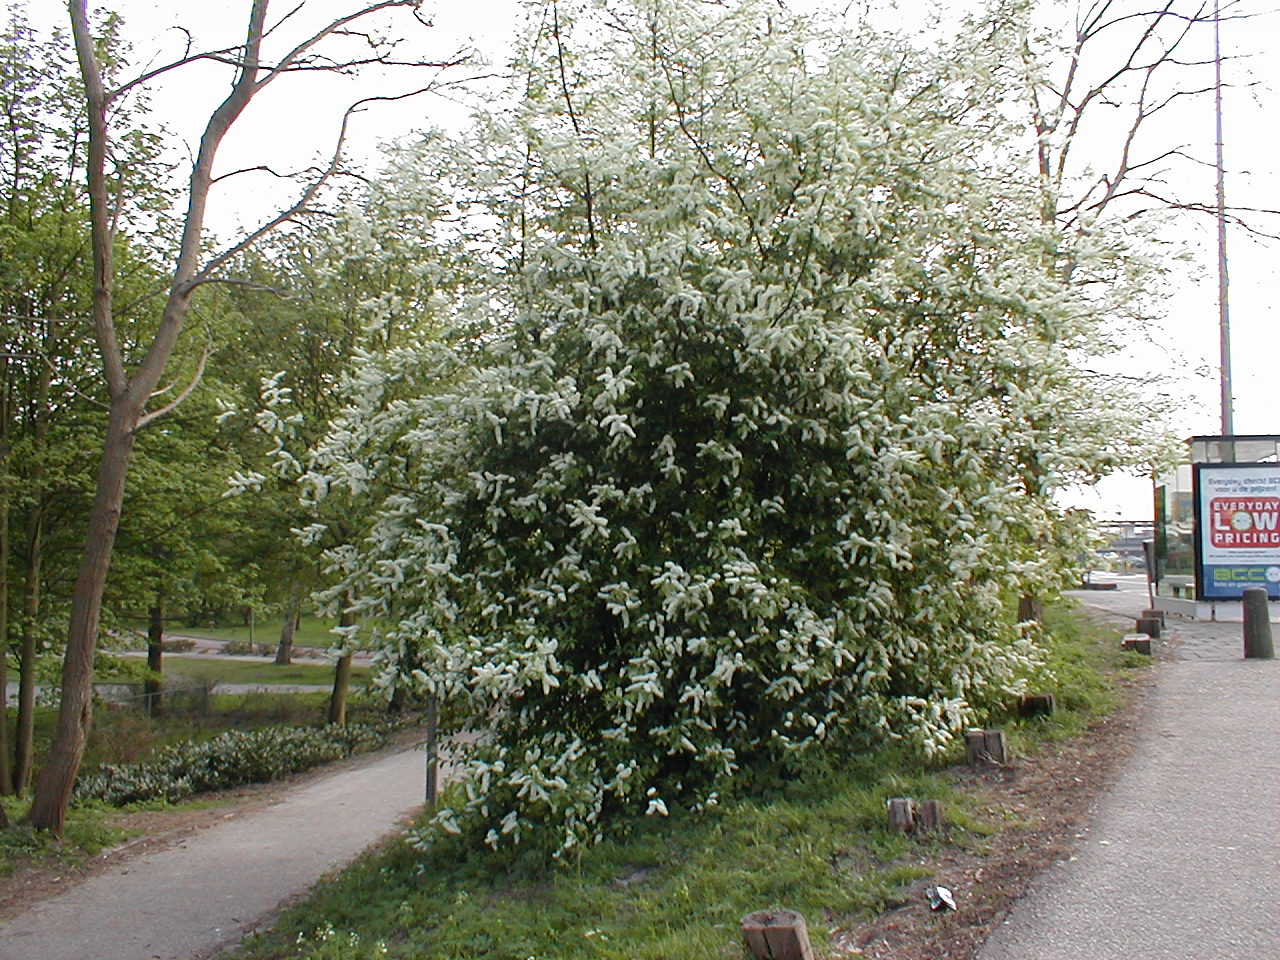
[
  {"x": 777, "y": 384},
  {"x": 230, "y": 759},
  {"x": 325, "y": 943}
]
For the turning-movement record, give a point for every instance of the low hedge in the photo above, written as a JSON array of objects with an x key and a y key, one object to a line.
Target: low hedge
[{"x": 230, "y": 759}]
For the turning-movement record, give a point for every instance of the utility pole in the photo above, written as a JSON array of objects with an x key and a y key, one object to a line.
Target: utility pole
[{"x": 1224, "y": 321}]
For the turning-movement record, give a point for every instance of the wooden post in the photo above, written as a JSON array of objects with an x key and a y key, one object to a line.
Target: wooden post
[
  {"x": 1150, "y": 626},
  {"x": 983, "y": 747},
  {"x": 777, "y": 935},
  {"x": 931, "y": 819},
  {"x": 1258, "y": 643},
  {"x": 1038, "y": 705},
  {"x": 975, "y": 745},
  {"x": 432, "y": 792},
  {"x": 1137, "y": 642},
  {"x": 1152, "y": 613},
  {"x": 902, "y": 815}
]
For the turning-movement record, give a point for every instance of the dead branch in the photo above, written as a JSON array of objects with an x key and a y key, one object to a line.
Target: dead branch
[{"x": 176, "y": 402}]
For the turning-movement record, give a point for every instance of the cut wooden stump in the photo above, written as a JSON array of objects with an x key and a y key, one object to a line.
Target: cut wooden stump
[
  {"x": 777, "y": 935},
  {"x": 1153, "y": 614},
  {"x": 1137, "y": 642},
  {"x": 902, "y": 814},
  {"x": 930, "y": 819},
  {"x": 1150, "y": 626},
  {"x": 1038, "y": 705},
  {"x": 983, "y": 747}
]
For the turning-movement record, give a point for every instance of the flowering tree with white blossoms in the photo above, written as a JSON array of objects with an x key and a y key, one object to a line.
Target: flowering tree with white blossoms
[{"x": 734, "y": 472}]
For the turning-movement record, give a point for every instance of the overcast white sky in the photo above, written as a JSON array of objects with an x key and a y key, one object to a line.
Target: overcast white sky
[{"x": 294, "y": 124}]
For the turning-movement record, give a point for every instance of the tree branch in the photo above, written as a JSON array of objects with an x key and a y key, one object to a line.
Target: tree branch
[
  {"x": 186, "y": 391},
  {"x": 205, "y": 275}
]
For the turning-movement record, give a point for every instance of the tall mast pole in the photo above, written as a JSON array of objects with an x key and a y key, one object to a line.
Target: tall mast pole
[{"x": 1224, "y": 321}]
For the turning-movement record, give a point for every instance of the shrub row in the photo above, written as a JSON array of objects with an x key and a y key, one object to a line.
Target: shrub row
[{"x": 231, "y": 759}]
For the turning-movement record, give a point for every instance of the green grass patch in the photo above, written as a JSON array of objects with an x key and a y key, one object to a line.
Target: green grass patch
[
  {"x": 673, "y": 887},
  {"x": 1086, "y": 672},
  {"x": 216, "y": 670},
  {"x": 311, "y": 632},
  {"x": 88, "y": 832},
  {"x": 679, "y": 886}
]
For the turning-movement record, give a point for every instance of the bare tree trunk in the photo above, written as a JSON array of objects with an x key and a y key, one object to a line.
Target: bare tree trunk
[
  {"x": 6, "y": 755},
  {"x": 292, "y": 614},
  {"x": 432, "y": 791},
  {"x": 24, "y": 737},
  {"x": 58, "y": 776},
  {"x": 341, "y": 674},
  {"x": 131, "y": 391},
  {"x": 153, "y": 686},
  {"x": 28, "y": 652},
  {"x": 341, "y": 685},
  {"x": 1030, "y": 608}
]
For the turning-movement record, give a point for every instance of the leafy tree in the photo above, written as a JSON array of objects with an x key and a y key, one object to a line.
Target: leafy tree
[
  {"x": 132, "y": 370},
  {"x": 363, "y": 281},
  {"x": 729, "y": 464},
  {"x": 50, "y": 396}
]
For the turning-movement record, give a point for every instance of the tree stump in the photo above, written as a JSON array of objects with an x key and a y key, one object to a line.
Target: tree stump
[
  {"x": 1038, "y": 705},
  {"x": 931, "y": 819},
  {"x": 984, "y": 747},
  {"x": 777, "y": 935},
  {"x": 901, "y": 815},
  {"x": 1258, "y": 643},
  {"x": 1153, "y": 614},
  {"x": 1150, "y": 626},
  {"x": 1137, "y": 642}
]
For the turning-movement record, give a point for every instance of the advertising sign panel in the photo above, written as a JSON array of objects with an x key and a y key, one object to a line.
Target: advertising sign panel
[{"x": 1238, "y": 528}]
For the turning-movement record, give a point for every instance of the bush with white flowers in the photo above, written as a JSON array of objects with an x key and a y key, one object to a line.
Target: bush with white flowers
[{"x": 738, "y": 469}]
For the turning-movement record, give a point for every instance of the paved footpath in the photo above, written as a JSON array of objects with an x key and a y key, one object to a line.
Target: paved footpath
[
  {"x": 1182, "y": 858},
  {"x": 190, "y": 899}
]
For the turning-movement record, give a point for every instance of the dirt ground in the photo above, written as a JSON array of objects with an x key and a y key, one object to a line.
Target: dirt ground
[{"x": 1046, "y": 801}]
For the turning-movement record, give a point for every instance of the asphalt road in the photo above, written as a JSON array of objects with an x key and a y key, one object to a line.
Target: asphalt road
[
  {"x": 1182, "y": 859},
  {"x": 191, "y": 899}
]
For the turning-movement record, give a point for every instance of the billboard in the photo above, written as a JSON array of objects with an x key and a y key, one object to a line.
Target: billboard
[{"x": 1237, "y": 529}]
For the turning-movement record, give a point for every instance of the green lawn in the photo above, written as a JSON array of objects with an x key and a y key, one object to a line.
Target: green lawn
[
  {"x": 218, "y": 670},
  {"x": 312, "y": 632}
]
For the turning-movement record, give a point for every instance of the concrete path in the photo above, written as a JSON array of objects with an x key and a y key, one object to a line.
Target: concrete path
[
  {"x": 1182, "y": 859},
  {"x": 189, "y": 900}
]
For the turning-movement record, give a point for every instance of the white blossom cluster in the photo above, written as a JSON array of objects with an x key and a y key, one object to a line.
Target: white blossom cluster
[{"x": 752, "y": 458}]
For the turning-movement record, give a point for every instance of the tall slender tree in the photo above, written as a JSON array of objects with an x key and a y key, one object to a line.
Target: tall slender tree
[{"x": 132, "y": 384}]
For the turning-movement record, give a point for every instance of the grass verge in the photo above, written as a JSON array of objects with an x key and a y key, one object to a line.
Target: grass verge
[
  {"x": 679, "y": 886},
  {"x": 88, "y": 831},
  {"x": 311, "y": 632},
  {"x": 217, "y": 670}
]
